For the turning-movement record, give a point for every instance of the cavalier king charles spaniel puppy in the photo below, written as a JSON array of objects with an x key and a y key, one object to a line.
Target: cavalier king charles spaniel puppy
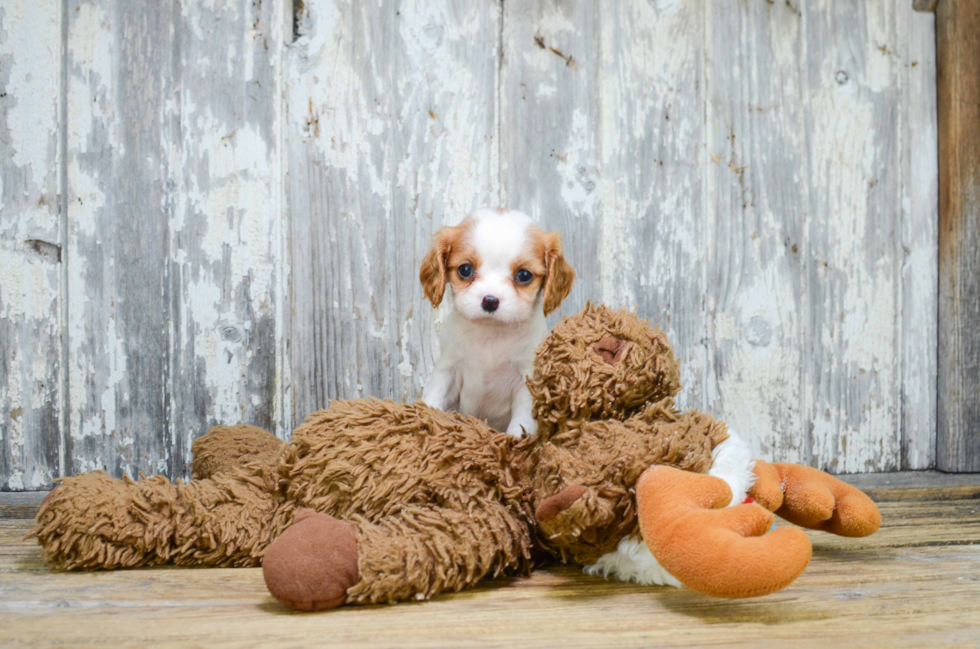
[{"x": 506, "y": 275}]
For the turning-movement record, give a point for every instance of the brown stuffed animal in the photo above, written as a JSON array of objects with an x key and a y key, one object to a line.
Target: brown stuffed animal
[{"x": 374, "y": 501}]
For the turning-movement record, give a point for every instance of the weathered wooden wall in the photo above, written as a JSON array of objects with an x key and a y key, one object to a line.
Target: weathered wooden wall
[
  {"x": 958, "y": 49},
  {"x": 214, "y": 212}
]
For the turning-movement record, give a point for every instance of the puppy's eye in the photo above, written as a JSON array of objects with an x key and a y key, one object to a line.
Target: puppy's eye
[
  {"x": 465, "y": 271},
  {"x": 523, "y": 276}
]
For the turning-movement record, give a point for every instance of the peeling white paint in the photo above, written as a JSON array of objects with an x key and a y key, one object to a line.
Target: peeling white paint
[
  {"x": 30, "y": 363},
  {"x": 32, "y": 40},
  {"x": 405, "y": 366}
]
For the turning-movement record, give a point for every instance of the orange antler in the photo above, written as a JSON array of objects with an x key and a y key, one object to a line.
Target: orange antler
[{"x": 711, "y": 548}]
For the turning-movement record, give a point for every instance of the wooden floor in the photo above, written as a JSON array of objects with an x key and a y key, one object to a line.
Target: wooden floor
[{"x": 915, "y": 583}]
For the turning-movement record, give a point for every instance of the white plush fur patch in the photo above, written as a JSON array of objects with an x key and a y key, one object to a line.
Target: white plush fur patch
[
  {"x": 732, "y": 462},
  {"x": 632, "y": 560}
]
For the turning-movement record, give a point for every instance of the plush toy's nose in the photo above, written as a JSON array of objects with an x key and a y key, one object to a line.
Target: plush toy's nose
[
  {"x": 610, "y": 349},
  {"x": 490, "y": 303}
]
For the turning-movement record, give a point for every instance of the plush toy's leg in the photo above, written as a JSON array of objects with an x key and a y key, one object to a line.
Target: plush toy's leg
[
  {"x": 313, "y": 563},
  {"x": 226, "y": 448},
  {"x": 229, "y": 520},
  {"x": 321, "y": 562},
  {"x": 711, "y": 548},
  {"x": 93, "y": 521},
  {"x": 813, "y": 499}
]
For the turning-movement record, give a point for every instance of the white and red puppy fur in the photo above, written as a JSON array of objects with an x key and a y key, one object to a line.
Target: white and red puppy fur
[{"x": 506, "y": 275}]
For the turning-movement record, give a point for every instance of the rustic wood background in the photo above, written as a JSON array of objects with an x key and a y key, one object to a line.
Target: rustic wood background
[{"x": 214, "y": 211}]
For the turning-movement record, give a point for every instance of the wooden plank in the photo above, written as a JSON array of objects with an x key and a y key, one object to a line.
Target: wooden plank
[
  {"x": 20, "y": 504},
  {"x": 891, "y": 494},
  {"x": 958, "y": 46},
  {"x": 904, "y": 586},
  {"x": 925, "y": 5},
  {"x": 175, "y": 246},
  {"x": 653, "y": 215},
  {"x": 920, "y": 231},
  {"x": 396, "y": 143},
  {"x": 853, "y": 259},
  {"x": 906, "y": 479},
  {"x": 120, "y": 78},
  {"x": 226, "y": 251},
  {"x": 755, "y": 293},
  {"x": 549, "y": 99},
  {"x": 30, "y": 245}
]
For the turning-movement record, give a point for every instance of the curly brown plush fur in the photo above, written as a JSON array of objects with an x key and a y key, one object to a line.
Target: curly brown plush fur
[
  {"x": 418, "y": 501},
  {"x": 607, "y": 457},
  {"x": 226, "y": 448},
  {"x": 93, "y": 521},
  {"x": 600, "y": 364}
]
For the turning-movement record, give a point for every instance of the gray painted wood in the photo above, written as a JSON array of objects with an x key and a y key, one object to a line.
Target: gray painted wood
[
  {"x": 119, "y": 83},
  {"x": 957, "y": 25},
  {"x": 920, "y": 245},
  {"x": 392, "y": 128},
  {"x": 549, "y": 98},
  {"x": 174, "y": 245},
  {"x": 854, "y": 132},
  {"x": 654, "y": 211},
  {"x": 755, "y": 232},
  {"x": 30, "y": 244},
  {"x": 245, "y": 215},
  {"x": 226, "y": 251}
]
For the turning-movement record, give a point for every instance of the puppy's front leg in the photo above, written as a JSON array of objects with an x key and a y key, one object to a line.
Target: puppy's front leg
[
  {"x": 442, "y": 390},
  {"x": 521, "y": 420}
]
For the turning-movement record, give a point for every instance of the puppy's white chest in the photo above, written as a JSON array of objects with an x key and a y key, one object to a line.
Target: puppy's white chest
[
  {"x": 488, "y": 389},
  {"x": 492, "y": 365}
]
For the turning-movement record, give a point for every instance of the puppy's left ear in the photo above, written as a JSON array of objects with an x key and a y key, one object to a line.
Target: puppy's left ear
[
  {"x": 560, "y": 274},
  {"x": 433, "y": 272}
]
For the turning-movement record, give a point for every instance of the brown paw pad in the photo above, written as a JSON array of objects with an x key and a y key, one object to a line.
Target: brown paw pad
[{"x": 313, "y": 563}]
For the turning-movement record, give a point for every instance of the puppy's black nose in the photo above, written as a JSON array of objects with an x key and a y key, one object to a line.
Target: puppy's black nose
[{"x": 490, "y": 304}]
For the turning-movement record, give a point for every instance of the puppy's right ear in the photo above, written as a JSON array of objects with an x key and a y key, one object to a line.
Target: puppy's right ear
[{"x": 434, "y": 271}]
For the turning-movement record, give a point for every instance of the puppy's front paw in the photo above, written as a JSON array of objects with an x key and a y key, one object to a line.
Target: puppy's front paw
[
  {"x": 434, "y": 403},
  {"x": 520, "y": 428}
]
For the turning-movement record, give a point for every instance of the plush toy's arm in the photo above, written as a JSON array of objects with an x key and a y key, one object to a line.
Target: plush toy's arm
[
  {"x": 571, "y": 512},
  {"x": 93, "y": 521}
]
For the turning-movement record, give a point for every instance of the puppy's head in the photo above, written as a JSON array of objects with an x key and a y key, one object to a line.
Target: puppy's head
[{"x": 501, "y": 266}]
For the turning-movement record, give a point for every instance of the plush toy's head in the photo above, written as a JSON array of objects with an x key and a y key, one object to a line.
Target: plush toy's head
[
  {"x": 600, "y": 364},
  {"x": 603, "y": 385}
]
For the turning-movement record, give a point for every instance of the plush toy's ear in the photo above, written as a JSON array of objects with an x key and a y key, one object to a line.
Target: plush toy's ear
[
  {"x": 434, "y": 272},
  {"x": 560, "y": 274}
]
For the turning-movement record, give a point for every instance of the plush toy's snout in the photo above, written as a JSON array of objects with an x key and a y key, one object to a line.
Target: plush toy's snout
[{"x": 554, "y": 505}]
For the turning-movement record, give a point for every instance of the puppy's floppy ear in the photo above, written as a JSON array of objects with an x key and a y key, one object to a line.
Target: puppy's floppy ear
[
  {"x": 433, "y": 273},
  {"x": 559, "y": 274}
]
